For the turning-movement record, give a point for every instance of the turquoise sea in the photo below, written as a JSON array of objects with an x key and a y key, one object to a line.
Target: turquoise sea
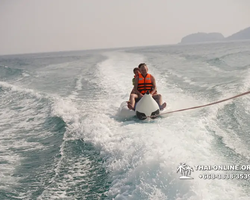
[{"x": 61, "y": 136}]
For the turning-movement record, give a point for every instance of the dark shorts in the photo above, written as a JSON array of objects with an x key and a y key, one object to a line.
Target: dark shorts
[{"x": 137, "y": 99}]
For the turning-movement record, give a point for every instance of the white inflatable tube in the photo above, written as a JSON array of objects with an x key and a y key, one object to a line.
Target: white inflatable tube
[{"x": 147, "y": 107}]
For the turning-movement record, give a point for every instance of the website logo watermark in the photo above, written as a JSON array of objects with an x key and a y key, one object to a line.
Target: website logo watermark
[
  {"x": 222, "y": 172},
  {"x": 185, "y": 171}
]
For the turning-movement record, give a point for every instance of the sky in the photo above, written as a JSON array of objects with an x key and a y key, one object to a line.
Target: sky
[{"x": 30, "y": 26}]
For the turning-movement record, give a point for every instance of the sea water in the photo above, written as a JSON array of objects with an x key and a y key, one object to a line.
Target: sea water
[{"x": 62, "y": 138}]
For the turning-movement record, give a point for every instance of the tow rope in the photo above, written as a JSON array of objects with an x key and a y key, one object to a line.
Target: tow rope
[{"x": 216, "y": 102}]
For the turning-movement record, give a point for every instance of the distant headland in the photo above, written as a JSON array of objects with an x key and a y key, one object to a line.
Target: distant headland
[{"x": 215, "y": 37}]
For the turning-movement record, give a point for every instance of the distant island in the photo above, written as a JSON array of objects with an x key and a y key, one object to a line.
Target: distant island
[{"x": 215, "y": 37}]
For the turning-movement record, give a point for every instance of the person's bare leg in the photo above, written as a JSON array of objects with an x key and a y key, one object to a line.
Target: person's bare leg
[
  {"x": 158, "y": 99},
  {"x": 131, "y": 103},
  {"x": 163, "y": 106}
]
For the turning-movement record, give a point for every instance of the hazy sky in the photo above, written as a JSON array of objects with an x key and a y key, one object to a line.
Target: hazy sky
[{"x": 58, "y": 25}]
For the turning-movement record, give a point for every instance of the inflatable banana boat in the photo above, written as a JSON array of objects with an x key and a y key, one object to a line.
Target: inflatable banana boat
[{"x": 145, "y": 108}]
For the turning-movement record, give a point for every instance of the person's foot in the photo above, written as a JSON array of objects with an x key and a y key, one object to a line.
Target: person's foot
[
  {"x": 163, "y": 106},
  {"x": 130, "y": 107}
]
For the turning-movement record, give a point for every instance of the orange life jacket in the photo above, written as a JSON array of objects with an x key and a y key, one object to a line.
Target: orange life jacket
[{"x": 145, "y": 84}]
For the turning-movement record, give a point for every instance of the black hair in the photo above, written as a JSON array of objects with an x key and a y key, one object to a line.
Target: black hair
[
  {"x": 135, "y": 69},
  {"x": 141, "y": 64}
]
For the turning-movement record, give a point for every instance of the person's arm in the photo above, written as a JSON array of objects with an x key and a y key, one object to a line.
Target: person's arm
[
  {"x": 133, "y": 81},
  {"x": 154, "y": 85},
  {"x": 136, "y": 86}
]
